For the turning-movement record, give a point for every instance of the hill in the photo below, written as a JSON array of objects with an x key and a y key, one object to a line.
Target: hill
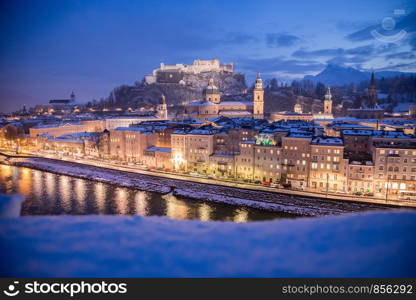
[{"x": 147, "y": 95}]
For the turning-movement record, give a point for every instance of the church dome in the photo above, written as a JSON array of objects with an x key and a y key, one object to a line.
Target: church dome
[{"x": 211, "y": 88}]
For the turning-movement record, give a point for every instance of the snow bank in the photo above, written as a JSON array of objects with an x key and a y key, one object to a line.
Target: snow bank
[
  {"x": 10, "y": 205},
  {"x": 355, "y": 245},
  {"x": 201, "y": 191},
  {"x": 91, "y": 173},
  {"x": 210, "y": 197}
]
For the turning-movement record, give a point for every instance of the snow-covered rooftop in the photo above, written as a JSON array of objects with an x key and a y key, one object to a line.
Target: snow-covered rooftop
[
  {"x": 159, "y": 149},
  {"x": 137, "y": 129},
  {"x": 328, "y": 141},
  {"x": 65, "y": 140},
  {"x": 235, "y": 112}
]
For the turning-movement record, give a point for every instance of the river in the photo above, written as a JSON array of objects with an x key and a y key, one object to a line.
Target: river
[{"x": 51, "y": 194}]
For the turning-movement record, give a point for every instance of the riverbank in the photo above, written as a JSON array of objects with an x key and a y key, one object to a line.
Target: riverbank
[{"x": 258, "y": 199}]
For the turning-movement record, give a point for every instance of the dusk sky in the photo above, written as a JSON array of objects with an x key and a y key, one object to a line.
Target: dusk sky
[{"x": 50, "y": 48}]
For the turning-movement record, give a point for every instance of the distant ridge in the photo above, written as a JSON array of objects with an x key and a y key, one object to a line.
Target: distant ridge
[{"x": 340, "y": 75}]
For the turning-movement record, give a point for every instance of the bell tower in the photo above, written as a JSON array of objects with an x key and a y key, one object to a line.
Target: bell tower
[
  {"x": 328, "y": 102},
  {"x": 258, "y": 98},
  {"x": 162, "y": 108},
  {"x": 72, "y": 96}
]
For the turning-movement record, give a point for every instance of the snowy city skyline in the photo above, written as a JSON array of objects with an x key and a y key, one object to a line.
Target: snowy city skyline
[{"x": 93, "y": 46}]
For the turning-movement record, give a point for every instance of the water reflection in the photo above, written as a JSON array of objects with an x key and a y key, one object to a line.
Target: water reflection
[
  {"x": 80, "y": 190},
  {"x": 141, "y": 203},
  {"x": 204, "y": 211},
  {"x": 65, "y": 191},
  {"x": 241, "y": 216},
  {"x": 121, "y": 201},
  {"x": 50, "y": 194},
  {"x": 37, "y": 183},
  {"x": 100, "y": 194}
]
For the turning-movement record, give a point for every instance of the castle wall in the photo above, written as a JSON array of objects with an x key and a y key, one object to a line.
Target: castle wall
[{"x": 198, "y": 66}]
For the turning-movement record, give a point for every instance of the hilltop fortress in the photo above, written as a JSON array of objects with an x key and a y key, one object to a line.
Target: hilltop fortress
[{"x": 175, "y": 73}]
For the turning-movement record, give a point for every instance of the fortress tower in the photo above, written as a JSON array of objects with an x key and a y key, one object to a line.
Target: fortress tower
[{"x": 258, "y": 98}]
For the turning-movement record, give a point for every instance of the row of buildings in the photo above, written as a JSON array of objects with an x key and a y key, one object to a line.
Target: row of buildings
[{"x": 298, "y": 154}]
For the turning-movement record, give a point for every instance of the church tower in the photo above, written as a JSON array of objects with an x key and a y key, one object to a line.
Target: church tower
[
  {"x": 372, "y": 92},
  {"x": 72, "y": 97},
  {"x": 328, "y": 102},
  {"x": 258, "y": 98},
  {"x": 162, "y": 108},
  {"x": 212, "y": 93},
  {"x": 298, "y": 108}
]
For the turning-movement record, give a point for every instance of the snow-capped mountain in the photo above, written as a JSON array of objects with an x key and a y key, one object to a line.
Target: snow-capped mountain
[{"x": 340, "y": 75}]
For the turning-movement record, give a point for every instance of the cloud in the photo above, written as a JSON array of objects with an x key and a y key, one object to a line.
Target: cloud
[
  {"x": 357, "y": 51},
  {"x": 276, "y": 40},
  {"x": 302, "y": 53},
  {"x": 238, "y": 38},
  {"x": 279, "y": 64},
  {"x": 407, "y": 22},
  {"x": 401, "y": 55},
  {"x": 341, "y": 56},
  {"x": 403, "y": 67},
  {"x": 342, "y": 60},
  {"x": 347, "y": 25}
]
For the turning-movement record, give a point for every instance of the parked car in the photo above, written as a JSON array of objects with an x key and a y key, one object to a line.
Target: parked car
[
  {"x": 341, "y": 192},
  {"x": 273, "y": 185},
  {"x": 266, "y": 183},
  {"x": 257, "y": 182}
]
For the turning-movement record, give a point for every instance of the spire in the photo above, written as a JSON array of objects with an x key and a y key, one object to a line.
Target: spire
[
  {"x": 328, "y": 101},
  {"x": 259, "y": 82},
  {"x": 163, "y": 99},
  {"x": 328, "y": 95},
  {"x": 372, "y": 92},
  {"x": 72, "y": 96},
  {"x": 372, "y": 81}
]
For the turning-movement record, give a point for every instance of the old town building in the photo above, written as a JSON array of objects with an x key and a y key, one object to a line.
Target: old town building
[
  {"x": 328, "y": 166},
  {"x": 212, "y": 106}
]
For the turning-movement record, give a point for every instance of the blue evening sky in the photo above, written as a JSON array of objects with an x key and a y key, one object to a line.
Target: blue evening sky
[{"x": 50, "y": 48}]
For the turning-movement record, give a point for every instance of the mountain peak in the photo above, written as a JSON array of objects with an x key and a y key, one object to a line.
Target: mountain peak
[{"x": 335, "y": 74}]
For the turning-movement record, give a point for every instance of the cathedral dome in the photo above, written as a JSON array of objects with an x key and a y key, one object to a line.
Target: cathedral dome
[{"x": 211, "y": 88}]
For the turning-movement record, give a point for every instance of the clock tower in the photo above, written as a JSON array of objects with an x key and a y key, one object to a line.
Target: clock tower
[{"x": 258, "y": 98}]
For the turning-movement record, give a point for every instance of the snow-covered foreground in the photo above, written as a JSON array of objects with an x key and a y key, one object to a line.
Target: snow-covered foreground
[
  {"x": 258, "y": 199},
  {"x": 356, "y": 245}
]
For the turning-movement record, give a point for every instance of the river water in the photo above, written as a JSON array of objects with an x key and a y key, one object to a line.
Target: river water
[{"x": 51, "y": 194}]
